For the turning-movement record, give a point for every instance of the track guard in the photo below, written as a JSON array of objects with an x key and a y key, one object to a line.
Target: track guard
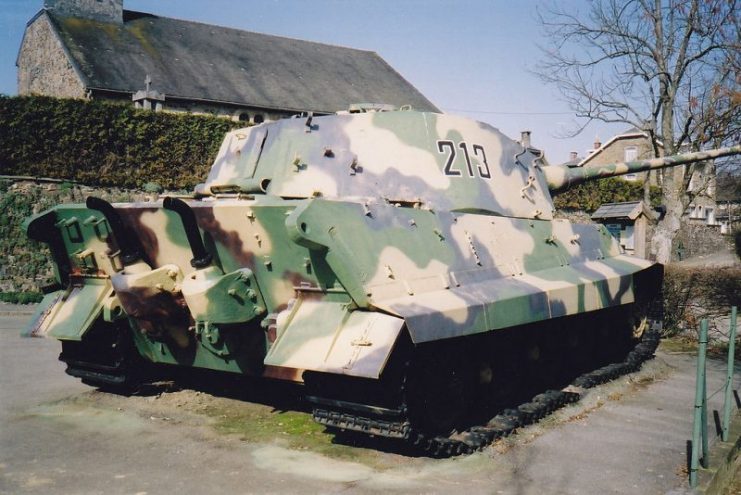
[
  {"x": 329, "y": 337},
  {"x": 69, "y": 314}
]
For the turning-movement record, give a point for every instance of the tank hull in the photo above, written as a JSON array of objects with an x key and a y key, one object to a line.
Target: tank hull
[{"x": 346, "y": 277}]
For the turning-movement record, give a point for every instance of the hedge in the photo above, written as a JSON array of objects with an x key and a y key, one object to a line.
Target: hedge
[
  {"x": 106, "y": 144},
  {"x": 591, "y": 195},
  {"x": 21, "y": 297}
]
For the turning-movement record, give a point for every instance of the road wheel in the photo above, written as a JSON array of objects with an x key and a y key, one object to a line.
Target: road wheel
[{"x": 438, "y": 392}]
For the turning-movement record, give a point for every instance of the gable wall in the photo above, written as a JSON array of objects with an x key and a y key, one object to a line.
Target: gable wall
[
  {"x": 43, "y": 66},
  {"x": 616, "y": 151}
]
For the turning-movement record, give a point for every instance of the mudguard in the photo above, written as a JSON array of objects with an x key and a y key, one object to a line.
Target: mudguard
[
  {"x": 330, "y": 337},
  {"x": 69, "y": 314}
]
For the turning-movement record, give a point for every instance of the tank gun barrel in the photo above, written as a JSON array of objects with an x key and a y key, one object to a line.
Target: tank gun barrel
[{"x": 561, "y": 177}]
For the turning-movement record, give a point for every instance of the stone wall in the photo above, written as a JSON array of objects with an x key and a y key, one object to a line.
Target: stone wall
[
  {"x": 616, "y": 151},
  {"x": 177, "y": 105},
  {"x": 573, "y": 216},
  {"x": 43, "y": 66},
  {"x": 698, "y": 239},
  {"x": 26, "y": 265},
  {"x": 244, "y": 114}
]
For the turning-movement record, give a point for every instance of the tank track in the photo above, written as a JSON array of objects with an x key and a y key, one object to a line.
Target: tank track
[
  {"x": 106, "y": 358},
  {"x": 502, "y": 425}
]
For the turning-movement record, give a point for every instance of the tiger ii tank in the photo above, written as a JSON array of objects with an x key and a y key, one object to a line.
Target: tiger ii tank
[{"x": 406, "y": 268}]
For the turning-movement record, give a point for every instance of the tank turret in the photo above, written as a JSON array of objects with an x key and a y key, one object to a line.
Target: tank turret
[{"x": 404, "y": 267}]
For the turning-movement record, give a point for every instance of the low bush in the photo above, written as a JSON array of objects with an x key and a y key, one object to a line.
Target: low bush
[
  {"x": 691, "y": 294},
  {"x": 21, "y": 297}
]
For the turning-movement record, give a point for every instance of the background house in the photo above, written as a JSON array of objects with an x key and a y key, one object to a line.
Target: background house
[
  {"x": 96, "y": 49},
  {"x": 728, "y": 197},
  {"x": 632, "y": 144},
  {"x": 635, "y": 144}
]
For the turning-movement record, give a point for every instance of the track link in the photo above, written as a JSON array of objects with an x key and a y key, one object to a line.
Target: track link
[
  {"x": 503, "y": 424},
  {"x": 106, "y": 358}
]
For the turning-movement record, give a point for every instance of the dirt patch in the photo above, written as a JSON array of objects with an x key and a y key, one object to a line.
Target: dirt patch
[{"x": 288, "y": 440}]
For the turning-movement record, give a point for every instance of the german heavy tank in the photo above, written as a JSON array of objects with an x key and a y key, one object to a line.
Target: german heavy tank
[{"x": 405, "y": 267}]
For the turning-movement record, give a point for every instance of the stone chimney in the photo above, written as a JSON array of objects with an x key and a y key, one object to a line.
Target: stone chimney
[
  {"x": 99, "y": 10},
  {"x": 525, "y": 139},
  {"x": 573, "y": 156},
  {"x": 597, "y": 142}
]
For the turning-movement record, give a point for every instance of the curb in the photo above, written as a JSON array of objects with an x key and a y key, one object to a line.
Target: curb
[
  {"x": 7, "y": 309},
  {"x": 16, "y": 313},
  {"x": 725, "y": 462}
]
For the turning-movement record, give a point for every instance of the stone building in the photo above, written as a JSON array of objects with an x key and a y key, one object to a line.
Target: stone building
[
  {"x": 96, "y": 49},
  {"x": 632, "y": 144},
  {"x": 635, "y": 144},
  {"x": 728, "y": 197}
]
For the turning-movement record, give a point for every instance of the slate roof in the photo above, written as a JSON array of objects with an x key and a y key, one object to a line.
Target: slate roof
[
  {"x": 192, "y": 60},
  {"x": 626, "y": 210}
]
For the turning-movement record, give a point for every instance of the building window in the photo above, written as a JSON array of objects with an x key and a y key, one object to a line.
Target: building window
[
  {"x": 710, "y": 213},
  {"x": 259, "y": 119},
  {"x": 244, "y": 117},
  {"x": 631, "y": 153}
]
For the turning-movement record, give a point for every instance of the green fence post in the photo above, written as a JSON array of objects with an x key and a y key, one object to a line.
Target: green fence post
[
  {"x": 697, "y": 429},
  {"x": 729, "y": 376}
]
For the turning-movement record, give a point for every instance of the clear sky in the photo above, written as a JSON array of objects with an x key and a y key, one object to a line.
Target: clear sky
[{"x": 469, "y": 57}]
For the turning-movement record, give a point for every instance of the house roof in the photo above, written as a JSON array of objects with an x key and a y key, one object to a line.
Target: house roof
[
  {"x": 626, "y": 210},
  {"x": 192, "y": 60}
]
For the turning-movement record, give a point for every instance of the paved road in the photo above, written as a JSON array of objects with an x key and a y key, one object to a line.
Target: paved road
[{"x": 58, "y": 436}]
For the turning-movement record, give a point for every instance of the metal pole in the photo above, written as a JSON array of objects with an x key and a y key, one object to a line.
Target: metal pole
[
  {"x": 729, "y": 376},
  {"x": 705, "y": 459},
  {"x": 699, "y": 402}
]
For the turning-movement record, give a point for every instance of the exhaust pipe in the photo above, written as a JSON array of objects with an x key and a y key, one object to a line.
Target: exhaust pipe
[
  {"x": 201, "y": 257},
  {"x": 127, "y": 243}
]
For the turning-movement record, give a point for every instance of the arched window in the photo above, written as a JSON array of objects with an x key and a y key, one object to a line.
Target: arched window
[
  {"x": 258, "y": 118},
  {"x": 244, "y": 117}
]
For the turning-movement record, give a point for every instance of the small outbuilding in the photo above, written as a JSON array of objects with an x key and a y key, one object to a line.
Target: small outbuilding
[{"x": 630, "y": 223}]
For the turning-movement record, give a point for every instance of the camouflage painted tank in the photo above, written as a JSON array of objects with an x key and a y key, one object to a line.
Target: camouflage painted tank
[{"x": 405, "y": 267}]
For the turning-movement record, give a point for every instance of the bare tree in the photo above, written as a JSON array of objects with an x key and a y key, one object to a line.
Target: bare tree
[{"x": 669, "y": 67}]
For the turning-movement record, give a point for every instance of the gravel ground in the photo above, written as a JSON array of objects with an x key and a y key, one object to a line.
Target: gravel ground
[{"x": 59, "y": 436}]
